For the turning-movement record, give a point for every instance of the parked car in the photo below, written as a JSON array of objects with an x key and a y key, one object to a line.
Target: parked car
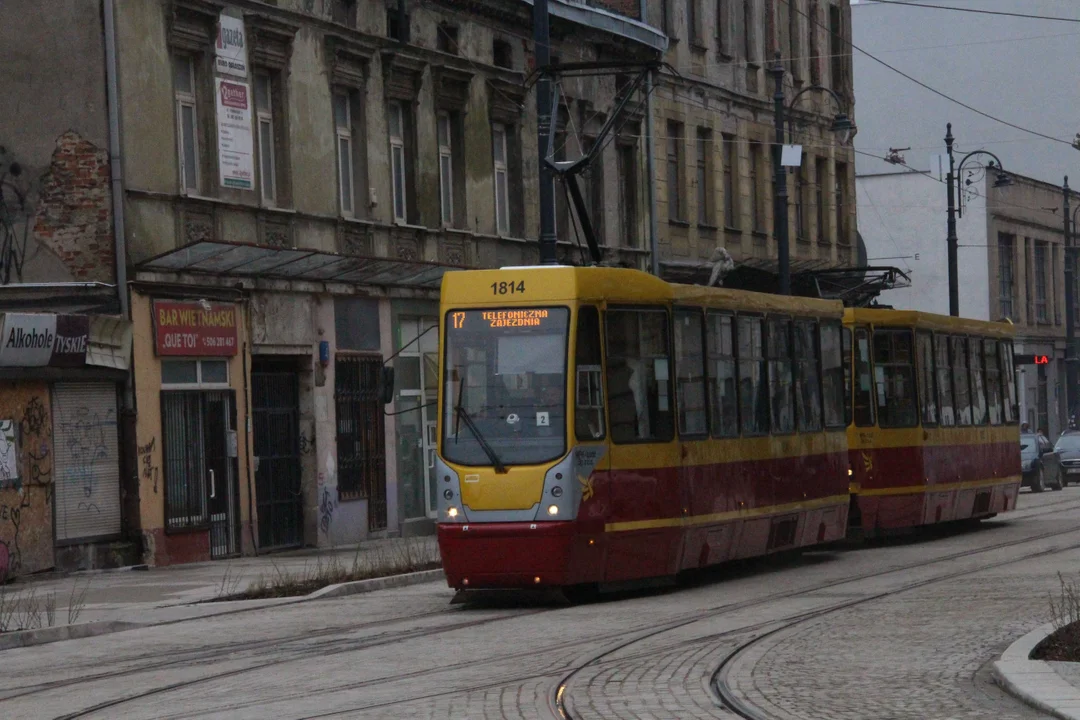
[
  {"x": 1041, "y": 464},
  {"x": 1068, "y": 450}
]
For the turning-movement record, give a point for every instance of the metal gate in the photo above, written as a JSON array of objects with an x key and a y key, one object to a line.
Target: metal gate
[
  {"x": 360, "y": 434},
  {"x": 86, "y": 466},
  {"x": 276, "y": 409}
]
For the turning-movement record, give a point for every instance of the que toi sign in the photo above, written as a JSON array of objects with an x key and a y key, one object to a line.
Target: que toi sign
[
  {"x": 43, "y": 339},
  {"x": 192, "y": 328}
]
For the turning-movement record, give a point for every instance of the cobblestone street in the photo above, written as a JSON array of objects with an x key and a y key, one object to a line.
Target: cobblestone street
[{"x": 898, "y": 630}]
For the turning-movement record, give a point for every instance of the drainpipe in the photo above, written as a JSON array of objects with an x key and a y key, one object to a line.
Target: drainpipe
[
  {"x": 650, "y": 161},
  {"x": 115, "y": 159}
]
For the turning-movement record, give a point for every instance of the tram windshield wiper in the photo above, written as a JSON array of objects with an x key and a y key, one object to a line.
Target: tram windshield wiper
[{"x": 463, "y": 414}]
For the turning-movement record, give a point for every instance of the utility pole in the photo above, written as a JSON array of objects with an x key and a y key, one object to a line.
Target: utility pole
[
  {"x": 1070, "y": 315},
  {"x": 780, "y": 196},
  {"x": 542, "y": 41},
  {"x": 954, "y": 280}
]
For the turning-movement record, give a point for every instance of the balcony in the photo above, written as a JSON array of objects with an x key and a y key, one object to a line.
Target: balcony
[{"x": 585, "y": 13}]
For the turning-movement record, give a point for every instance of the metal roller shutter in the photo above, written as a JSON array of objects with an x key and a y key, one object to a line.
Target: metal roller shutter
[{"x": 86, "y": 467}]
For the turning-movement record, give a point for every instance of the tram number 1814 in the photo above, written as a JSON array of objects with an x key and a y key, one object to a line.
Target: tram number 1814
[{"x": 508, "y": 288}]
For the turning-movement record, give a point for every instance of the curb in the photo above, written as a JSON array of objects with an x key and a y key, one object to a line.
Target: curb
[
  {"x": 1034, "y": 681},
  {"x": 383, "y": 583},
  {"x": 43, "y": 636}
]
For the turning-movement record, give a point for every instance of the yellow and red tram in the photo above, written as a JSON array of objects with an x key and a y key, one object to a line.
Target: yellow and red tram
[
  {"x": 933, "y": 433},
  {"x": 599, "y": 425}
]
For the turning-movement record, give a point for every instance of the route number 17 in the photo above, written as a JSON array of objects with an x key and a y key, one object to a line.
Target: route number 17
[{"x": 507, "y": 288}]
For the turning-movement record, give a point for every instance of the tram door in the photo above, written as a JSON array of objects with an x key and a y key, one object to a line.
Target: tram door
[{"x": 691, "y": 399}]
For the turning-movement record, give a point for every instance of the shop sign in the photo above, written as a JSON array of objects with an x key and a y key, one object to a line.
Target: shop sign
[
  {"x": 193, "y": 328},
  {"x": 1031, "y": 359},
  {"x": 43, "y": 339},
  {"x": 231, "y": 49},
  {"x": 236, "y": 160}
]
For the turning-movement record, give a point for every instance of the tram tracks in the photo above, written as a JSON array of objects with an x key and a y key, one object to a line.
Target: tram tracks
[{"x": 554, "y": 668}]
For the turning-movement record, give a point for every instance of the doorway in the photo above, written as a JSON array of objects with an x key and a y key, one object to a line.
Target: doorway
[
  {"x": 416, "y": 369},
  {"x": 275, "y": 393}
]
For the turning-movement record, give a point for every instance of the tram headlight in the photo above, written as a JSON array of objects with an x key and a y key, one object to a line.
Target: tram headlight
[
  {"x": 850, "y": 472},
  {"x": 452, "y": 512},
  {"x": 553, "y": 510}
]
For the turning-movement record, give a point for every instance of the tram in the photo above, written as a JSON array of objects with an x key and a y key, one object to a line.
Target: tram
[
  {"x": 601, "y": 426},
  {"x": 932, "y": 414}
]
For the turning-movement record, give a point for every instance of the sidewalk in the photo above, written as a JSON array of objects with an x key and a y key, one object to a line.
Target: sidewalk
[
  {"x": 1052, "y": 687},
  {"x": 178, "y": 592}
]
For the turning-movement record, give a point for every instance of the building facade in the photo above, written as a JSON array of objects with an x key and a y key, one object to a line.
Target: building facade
[{"x": 1011, "y": 266}]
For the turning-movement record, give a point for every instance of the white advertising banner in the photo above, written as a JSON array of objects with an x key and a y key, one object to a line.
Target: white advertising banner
[
  {"x": 27, "y": 339},
  {"x": 236, "y": 161},
  {"x": 231, "y": 49}
]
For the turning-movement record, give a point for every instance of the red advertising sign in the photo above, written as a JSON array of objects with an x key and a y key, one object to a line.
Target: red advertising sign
[{"x": 192, "y": 328}]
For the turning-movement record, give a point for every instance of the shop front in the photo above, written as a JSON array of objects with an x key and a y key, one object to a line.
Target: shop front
[{"x": 191, "y": 357}]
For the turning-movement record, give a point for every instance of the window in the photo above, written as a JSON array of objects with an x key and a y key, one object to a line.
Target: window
[
  {"x": 1042, "y": 313},
  {"x": 794, "y": 42},
  {"x": 398, "y": 162},
  {"x": 864, "y": 386},
  {"x": 397, "y": 27},
  {"x": 1042, "y": 397},
  {"x": 626, "y": 156},
  {"x": 502, "y": 54},
  {"x": 589, "y": 408},
  {"x": 690, "y": 373},
  {"x": 676, "y": 209},
  {"x": 722, "y": 380},
  {"x": 748, "y": 31},
  {"x": 821, "y": 172},
  {"x": 837, "y": 51},
  {"x": 639, "y": 383},
  {"x": 502, "y": 189},
  {"x": 894, "y": 378},
  {"x": 344, "y": 132},
  {"x": 704, "y": 182},
  {"x": 731, "y": 213},
  {"x": 264, "y": 115},
  {"x": 757, "y": 207},
  {"x": 723, "y": 27},
  {"x": 693, "y": 21},
  {"x": 994, "y": 398},
  {"x": 194, "y": 372},
  {"x": 812, "y": 31},
  {"x": 1006, "y": 282},
  {"x": 802, "y": 231},
  {"x": 1008, "y": 381},
  {"x": 845, "y": 334},
  {"x": 943, "y": 372},
  {"x": 753, "y": 389},
  {"x": 924, "y": 346},
  {"x": 187, "y": 122},
  {"x": 446, "y": 168},
  {"x": 781, "y": 388},
  {"x": 835, "y": 373},
  {"x": 784, "y": 11},
  {"x": 978, "y": 381},
  {"x": 344, "y": 12},
  {"x": 840, "y": 205},
  {"x": 807, "y": 379},
  {"x": 961, "y": 381},
  {"x": 447, "y": 39},
  {"x": 594, "y": 197}
]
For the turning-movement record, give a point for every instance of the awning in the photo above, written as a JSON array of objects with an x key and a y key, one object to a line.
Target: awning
[{"x": 259, "y": 261}]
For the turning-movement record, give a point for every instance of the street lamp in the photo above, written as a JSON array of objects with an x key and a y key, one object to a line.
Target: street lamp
[
  {"x": 842, "y": 127},
  {"x": 953, "y": 181},
  {"x": 1070, "y": 294}
]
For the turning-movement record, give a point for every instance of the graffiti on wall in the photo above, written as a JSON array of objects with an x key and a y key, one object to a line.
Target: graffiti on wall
[
  {"x": 26, "y": 496},
  {"x": 15, "y": 212},
  {"x": 86, "y": 445},
  {"x": 9, "y": 457},
  {"x": 11, "y": 553},
  {"x": 327, "y": 491},
  {"x": 147, "y": 470}
]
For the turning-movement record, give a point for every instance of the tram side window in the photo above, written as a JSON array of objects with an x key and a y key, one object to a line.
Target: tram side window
[
  {"x": 846, "y": 335},
  {"x": 722, "y": 380},
  {"x": 943, "y": 369},
  {"x": 993, "y": 381},
  {"x": 924, "y": 345},
  {"x": 639, "y": 382},
  {"x": 589, "y": 408},
  {"x": 978, "y": 381},
  {"x": 834, "y": 373},
  {"x": 807, "y": 378},
  {"x": 690, "y": 374},
  {"x": 864, "y": 381},
  {"x": 1008, "y": 381},
  {"x": 894, "y": 378},
  {"x": 781, "y": 387},
  {"x": 961, "y": 384},
  {"x": 753, "y": 390}
]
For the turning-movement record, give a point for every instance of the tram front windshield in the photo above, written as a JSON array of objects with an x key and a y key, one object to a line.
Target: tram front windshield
[{"x": 504, "y": 386}]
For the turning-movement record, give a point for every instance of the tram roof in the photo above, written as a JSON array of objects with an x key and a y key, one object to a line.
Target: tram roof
[
  {"x": 928, "y": 321},
  {"x": 618, "y": 285}
]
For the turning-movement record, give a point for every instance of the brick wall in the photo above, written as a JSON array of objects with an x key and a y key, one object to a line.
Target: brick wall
[
  {"x": 629, "y": 8},
  {"x": 74, "y": 209}
]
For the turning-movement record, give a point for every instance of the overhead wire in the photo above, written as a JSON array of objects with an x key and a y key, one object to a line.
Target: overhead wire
[{"x": 1002, "y": 13}]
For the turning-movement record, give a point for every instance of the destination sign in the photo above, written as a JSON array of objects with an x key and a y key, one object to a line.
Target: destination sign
[{"x": 470, "y": 320}]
